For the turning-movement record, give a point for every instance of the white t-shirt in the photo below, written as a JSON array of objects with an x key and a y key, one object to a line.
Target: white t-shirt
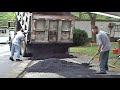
[
  {"x": 103, "y": 39},
  {"x": 18, "y": 38}
]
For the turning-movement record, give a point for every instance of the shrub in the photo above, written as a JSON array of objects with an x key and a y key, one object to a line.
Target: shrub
[{"x": 80, "y": 37}]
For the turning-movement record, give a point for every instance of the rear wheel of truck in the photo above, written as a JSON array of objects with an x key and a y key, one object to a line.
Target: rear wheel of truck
[{"x": 23, "y": 49}]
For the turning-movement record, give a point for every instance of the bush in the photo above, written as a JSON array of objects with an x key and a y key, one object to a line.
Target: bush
[{"x": 80, "y": 37}]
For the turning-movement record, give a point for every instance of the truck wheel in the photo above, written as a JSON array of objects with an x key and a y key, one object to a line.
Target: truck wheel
[{"x": 23, "y": 49}]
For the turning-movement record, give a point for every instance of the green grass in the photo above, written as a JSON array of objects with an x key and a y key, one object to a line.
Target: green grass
[{"x": 91, "y": 50}]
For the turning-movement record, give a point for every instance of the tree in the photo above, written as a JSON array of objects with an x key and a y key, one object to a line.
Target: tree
[
  {"x": 85, "y": 16},
  {"x": 93, "y": 19},
  {"x": 5, "y": 17}
]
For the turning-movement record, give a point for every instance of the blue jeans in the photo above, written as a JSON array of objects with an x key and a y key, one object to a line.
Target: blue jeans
[
  {"x": 103, "y": 59},
  {"x": 15, "y": 48}
]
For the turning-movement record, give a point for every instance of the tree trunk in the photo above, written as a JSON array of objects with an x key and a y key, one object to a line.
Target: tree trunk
[
  {"x": 80, "y": 14},
  {"x": 92, "y": 25},
  {"x": 93, "y": 20}
]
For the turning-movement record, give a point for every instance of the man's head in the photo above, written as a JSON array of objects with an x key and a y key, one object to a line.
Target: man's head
[{"x": 95, "y": 30}]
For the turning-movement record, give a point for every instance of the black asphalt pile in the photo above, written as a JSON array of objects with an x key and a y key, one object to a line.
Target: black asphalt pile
[
  {"x": 60, "y": 66},
  {"x": 68, "y": 68}
]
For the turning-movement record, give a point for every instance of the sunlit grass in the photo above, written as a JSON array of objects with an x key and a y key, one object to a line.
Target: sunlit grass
[{"x": 90, "y": 50}]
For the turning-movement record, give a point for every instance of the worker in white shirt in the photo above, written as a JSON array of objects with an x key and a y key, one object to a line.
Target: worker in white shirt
[
  {"x": 103, "y": 49},
  {"x": 16, "y": 45}
]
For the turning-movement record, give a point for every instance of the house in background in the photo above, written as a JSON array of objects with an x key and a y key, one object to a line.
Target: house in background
[
  {"x": 6, "y": 31},
  {"x": 102, "y": 25},
  {"x": 4, "y": 35}
]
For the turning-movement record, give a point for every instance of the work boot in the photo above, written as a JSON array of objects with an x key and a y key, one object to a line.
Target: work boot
[
  {"x": 101, "y": 73},
  {"x": 11, "y": 59},
  {"x": 107, "y": 69},
  {"x": 18, "y": 60}
]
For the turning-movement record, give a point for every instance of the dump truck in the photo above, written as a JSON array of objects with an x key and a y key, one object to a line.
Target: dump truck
[{"x": 47, "y": 32}]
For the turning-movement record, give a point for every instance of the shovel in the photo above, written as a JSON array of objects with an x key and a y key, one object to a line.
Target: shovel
[{"x": 88, "y": 64}]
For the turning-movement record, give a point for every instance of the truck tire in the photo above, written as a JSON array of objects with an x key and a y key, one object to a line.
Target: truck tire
[{"x": 23, "y": 49}]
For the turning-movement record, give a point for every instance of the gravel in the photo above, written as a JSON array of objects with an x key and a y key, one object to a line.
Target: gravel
[{"x": 66, "y": 68}]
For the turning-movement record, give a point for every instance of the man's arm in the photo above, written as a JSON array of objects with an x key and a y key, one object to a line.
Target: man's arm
[
  {"x": 99, "y": 49},
  {"x": 22, "y": 38}
]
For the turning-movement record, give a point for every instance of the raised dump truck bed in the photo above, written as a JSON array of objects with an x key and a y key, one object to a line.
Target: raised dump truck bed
[{"x": 46, "y": 28}]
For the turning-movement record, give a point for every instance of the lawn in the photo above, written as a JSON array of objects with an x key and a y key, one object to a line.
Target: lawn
[{"x": 90, "y": 50}]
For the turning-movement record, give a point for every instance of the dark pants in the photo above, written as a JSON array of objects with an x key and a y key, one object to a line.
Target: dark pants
[{"x": 103, "y": 59}]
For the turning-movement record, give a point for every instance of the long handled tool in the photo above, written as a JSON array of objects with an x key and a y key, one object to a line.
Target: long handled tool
[
  {"x": 87, "y": 64},
  {"x": 117, "y": 59}
]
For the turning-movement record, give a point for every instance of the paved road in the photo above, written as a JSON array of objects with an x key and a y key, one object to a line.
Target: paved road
[
  {"x": 65, "y": 68},
  {"x": 49, "y": 68},
  {"x": 9, "y": 69}
]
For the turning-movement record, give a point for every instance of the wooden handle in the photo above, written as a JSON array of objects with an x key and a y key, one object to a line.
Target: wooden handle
[{"x": 92, "y": 58}]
